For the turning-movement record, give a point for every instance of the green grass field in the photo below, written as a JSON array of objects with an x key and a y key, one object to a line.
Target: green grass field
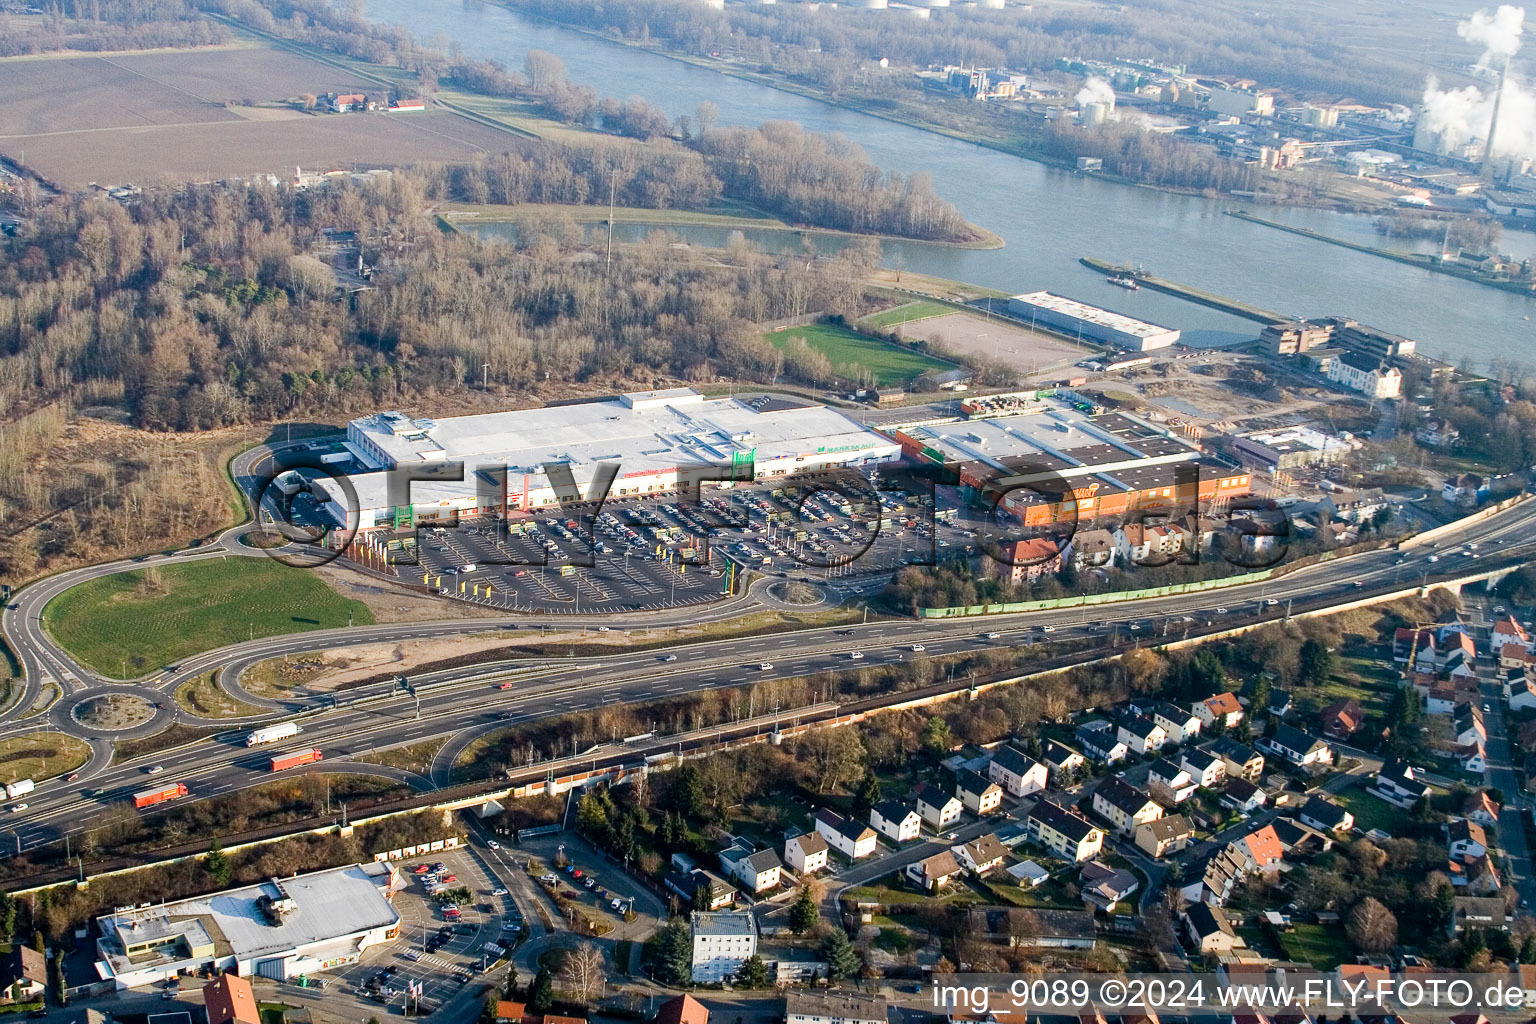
[
  {"x": 906, "y": 313},
  {"x": 125, "y": 626},
  {"x": 1371, "y": 811},
  {"x": 1323, "y": 948},
  {"x": 890, "y": 364}
]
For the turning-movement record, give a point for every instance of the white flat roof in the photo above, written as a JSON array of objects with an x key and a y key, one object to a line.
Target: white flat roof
[
  {"x": 327, "y": 905},
  {"x": 1094, "y": 315}
]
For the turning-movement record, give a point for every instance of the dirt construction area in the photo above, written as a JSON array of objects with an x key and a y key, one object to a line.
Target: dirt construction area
[
  {"x": 997, "y": 341},
  {"x": 204, "y": 115}
]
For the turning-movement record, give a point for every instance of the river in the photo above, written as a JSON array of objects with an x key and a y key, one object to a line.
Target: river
[{"x": 1050, "y": 217}]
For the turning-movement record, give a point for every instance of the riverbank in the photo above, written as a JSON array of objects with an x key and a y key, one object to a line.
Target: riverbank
[
  {"x": 728, "y": 215},
  {"x": 1423, "y": 261},
  {"x": 914, "y": 119},
  {"x": 1184, "y": 291}
]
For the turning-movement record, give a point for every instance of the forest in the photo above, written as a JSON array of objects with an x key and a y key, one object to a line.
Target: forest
[
  {"x": 95, "y": 26},
  {"x": 828, "y": 46}
]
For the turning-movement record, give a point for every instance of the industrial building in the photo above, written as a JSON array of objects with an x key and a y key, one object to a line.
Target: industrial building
[
  {"x": 278, "y": 929},
  {"x": 655, "y": 438},
  {"x": 1111, "y": 463},
  {"x": 1290, "y": 448},
  {"x": 1078, "y": 318}
]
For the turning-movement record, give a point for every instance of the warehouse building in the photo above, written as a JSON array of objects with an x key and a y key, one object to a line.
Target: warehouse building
[
  {"x": 1082, "y": 320},
  {"x": 279, "y": 929},
  {"x": 1290, "y": 447},
  {"x": 654, "y": 437},
  {"x": 1060, "y": 465}
]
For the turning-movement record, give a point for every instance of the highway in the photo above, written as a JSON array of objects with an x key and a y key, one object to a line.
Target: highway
[{"x": 460, "y": 704}]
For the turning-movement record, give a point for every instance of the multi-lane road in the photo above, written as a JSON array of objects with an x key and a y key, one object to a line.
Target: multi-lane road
[{"x": 460, "y": 704}]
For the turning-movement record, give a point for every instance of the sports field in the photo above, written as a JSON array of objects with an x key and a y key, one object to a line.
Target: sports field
[
  {"x": 906, "y": 313},
  {"x": 132, "y": 623},
  {"x": 890, "y": 364}
]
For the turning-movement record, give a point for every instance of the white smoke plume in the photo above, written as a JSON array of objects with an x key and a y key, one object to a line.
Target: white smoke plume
[
  {"x": 1452, "y": 117},
  {"x": 1096, "y": 90},
  {"x": 1497, "y": 33}
]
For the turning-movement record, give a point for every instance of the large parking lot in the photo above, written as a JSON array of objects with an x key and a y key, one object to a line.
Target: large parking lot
[
  {"x": 441, "y": 948},
  {"x": 658, "y": 553}
]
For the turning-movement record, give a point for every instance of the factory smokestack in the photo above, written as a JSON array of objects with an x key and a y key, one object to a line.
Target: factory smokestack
[{"x": 1493, "y": 121}]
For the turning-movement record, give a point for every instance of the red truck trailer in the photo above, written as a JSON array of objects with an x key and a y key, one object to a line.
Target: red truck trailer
[
  {"x": 160, "y": 794},
  {"x": 298, "y": 757}
]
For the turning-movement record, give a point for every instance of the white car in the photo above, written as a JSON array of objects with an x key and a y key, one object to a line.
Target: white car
[
  {"x": 155, "y": 769},
  {"x": 1434, "y": 558},
  {"x": 855, "y": 655},
  {"x": 993, "y": 636},
  {"x": 918, "y": 647},
  {"x": 1270, "y": 602},
  {"x": 764, "y": 666},
  {"x": 1221, "y": 611},
  {"x": 500, "y": 890},
  {"x": 1048, "y": 629},
  {"x": 18, "y": 808},
  {"x": 491, "y": 844}
]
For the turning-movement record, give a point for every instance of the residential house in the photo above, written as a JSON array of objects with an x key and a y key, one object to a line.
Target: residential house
[
  {"x": 1473, "y": 758},
  {"x": 1464, "y": 489},
  {"x": 1026, "y": 560},
  {"x": 1099, "y": 742},
  {"x": 346, "y": 102},
  {"x": 1141, "y": 734},
  {"x": 1520, "y": 689},
  {"x": 1169, "y": 782},
  {"x": 1066, "y": 832},
  {"x": 1467, "y": 725},
  {"x": 1178, "y": 725},
  {"x": 1398, "y": 785},
  {"x": 1508, "y": 632},
  {"x": 979, "y": 794},
  {"x": 682, "y": 1010},
  {"x": 228, "y": 998},
  {"x": 1482, "y": 912},
  {"x": 1354, "y": 506},
  {"x": 981, "y": 854},
  {"x": 897, "y": 820},
  {"x": 1240, "y": 760},
  {"x": 1514, "y": 657},
  {"x": 1481, "y": 808},
  {"x": 719, "y": 893},
  {"x": 1244, "y": 796},
  {"x": 1124, "y": 806},
  {"x": 1092, "y": 549},
  {"x": 936, "y": 807},
  {"x": 806, "y": 854},
  {"x": 1437, "y": 434},
  {"x": 1342, "y": 719},
  {"x": 1259, "y": 851},
  {"x": 722, "y": 942},
  {"x": 1167, "y": 835},
  {"x": 1458, "y": 655},
  {"x": 833, "y": 1008},
  {"x": 846, "y": 836},
  {"x": 933, "y": 873},
  {"x": 1140, "y": 544},
  {"x": 1104, "y": 886},
  {"x": 1205, "y": 768},
  {"x": 756, "y": 871},
  {"x": 1474, "y": 876},
  {"x": 1325, "y": 815},
  {"x": 1302, "y": 840},
  {"x": 1017, "y": 772},
  {"x": 1222, "y": 710},
  {"x": 1466, "y": 839},
  {"x": 1209, "y": 929},
  {"x": 1279, "y": 703},
  {"x": 1061, "y": 761},
  {"x": 1417, "y": 646},
  {"x": 1297, "y": 748},
  {"x": 1211, "y": 877}
]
